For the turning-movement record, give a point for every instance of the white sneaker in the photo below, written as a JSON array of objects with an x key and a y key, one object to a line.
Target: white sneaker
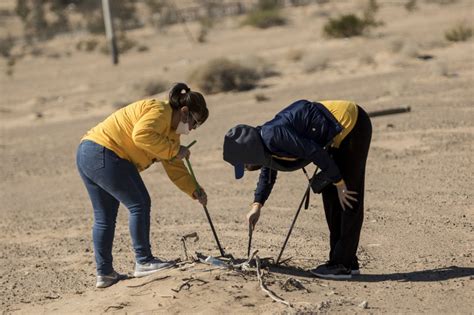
[
  {"x": 107, "y": 280},
  {"x": 152, "y": 266}
]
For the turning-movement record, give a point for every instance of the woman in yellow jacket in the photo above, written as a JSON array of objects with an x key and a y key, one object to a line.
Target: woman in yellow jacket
[{"x": 110, "y": 157}]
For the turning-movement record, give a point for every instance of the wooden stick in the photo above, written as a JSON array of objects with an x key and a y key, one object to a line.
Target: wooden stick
[
  {"x": 187, "y": 283},
  {"x": 183, "y": 241},
  {"x": 147, "y": 282},
  {"x": 389, "y": 111},
  {"x": 265, "y": 289}
]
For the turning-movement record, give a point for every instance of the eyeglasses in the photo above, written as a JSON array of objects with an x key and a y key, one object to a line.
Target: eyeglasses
[{"x": 195, "y": 122}]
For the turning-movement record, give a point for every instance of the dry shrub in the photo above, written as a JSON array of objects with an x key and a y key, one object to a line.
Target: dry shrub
[
  {"x": 367, "y": 59},
  {"x": 143, "y": 48},
  {"x": 295, "y": 55},
  {"x": 269, "y": 4},
  {"x": 221, "y": 75},
  {"x": 260, "y": 97},
  {"x": 205, "y": 25},
  {"x": 87, "y": 45},
  {"x": 348, "y": 25},
  {"x": 264, "y": 18},
  {"x": 441, "y": 2},
  {"x": 263, "y": 68},
  {"x": 151, "y": 87},
  {"x": 410, "y": 5},
  {"x": 124, "y": 44},
  {"x": 459, "y": 33},
  {"x": 6, "y": 45}
]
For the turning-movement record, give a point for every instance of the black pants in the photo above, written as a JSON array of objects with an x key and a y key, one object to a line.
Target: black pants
[{"x": 345, "y": 226}]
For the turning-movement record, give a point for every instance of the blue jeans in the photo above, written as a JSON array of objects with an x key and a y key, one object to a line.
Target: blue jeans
[{"x": 110, "y": 180}]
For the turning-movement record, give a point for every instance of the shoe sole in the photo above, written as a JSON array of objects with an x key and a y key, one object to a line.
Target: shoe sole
[
  {"x": 139, "y": 274},
  {"x": 335, "y": 277}
]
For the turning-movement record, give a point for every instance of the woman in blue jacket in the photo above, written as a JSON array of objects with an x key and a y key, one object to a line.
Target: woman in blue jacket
[{"x": 334, "y": 135}]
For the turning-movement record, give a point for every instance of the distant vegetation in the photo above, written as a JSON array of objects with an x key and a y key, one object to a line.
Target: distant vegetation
[
  {"x": 266, "y": 14},
  {"x": 350, "y": 25},
  {"x": 6, "y": 45},
  {"x": 151, "y": 87},
  {"x": 47, "y": 18},
  {"x": 222, "y": 75},
  {"x": 459, "y": 33}
]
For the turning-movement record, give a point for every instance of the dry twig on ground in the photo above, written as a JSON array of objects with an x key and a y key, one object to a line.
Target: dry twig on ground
[
  {"x": 193, "y": 235},
  {"x": 187, "y": 283},
  {"x": 265, "y": 289},
  {"x": 147, "y": 282}
]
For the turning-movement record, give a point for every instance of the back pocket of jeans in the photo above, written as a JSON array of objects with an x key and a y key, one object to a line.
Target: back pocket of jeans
[{"x": 93, "y": 156}]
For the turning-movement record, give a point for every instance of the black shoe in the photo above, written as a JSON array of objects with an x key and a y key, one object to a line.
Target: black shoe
[
  {"x": 332, "y": 272},
  {"x": 355, "y": 269}
]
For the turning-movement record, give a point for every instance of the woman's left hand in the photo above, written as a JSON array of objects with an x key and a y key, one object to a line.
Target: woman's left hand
[
  {"x": 345, "y": 195},
  {"x": 201, "y": 196}
]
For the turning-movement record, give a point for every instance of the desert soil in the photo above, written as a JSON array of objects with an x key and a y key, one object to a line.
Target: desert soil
[{"x": 416, "y": 246}]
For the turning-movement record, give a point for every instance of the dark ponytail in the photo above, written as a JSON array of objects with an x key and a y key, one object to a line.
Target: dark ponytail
[{"x": 181, "y": 95}]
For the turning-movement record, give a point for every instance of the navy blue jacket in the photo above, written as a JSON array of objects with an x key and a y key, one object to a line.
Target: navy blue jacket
[{"x": 301, "y": 130}]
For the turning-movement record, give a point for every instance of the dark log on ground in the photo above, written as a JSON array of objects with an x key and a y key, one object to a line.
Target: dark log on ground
[{"x": 389, "y": 111}]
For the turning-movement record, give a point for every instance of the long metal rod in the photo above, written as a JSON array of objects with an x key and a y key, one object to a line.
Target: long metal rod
[
  {"x": 250, "y": 240},
  {"x": 296, "y": 217},
  {"x": 221, "y": 250}
]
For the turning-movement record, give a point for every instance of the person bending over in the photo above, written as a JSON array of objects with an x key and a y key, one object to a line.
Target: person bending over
[
  {"x": 334, "y": 135},
  {"x": 110, "y": 157}
]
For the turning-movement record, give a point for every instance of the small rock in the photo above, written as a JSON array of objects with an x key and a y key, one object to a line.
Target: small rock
[{"x": 364, "y": 305}]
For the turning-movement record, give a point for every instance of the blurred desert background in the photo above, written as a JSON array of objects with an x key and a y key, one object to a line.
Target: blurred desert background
[{"x": 250, "y": 59}]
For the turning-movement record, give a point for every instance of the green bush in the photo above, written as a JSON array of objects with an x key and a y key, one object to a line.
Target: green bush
[
  {"x": 345, "y": 26},
  {"x": 459, "y": 33},
  {"x": 222, "y": 75},
  {"x": 265, "y": 18}
]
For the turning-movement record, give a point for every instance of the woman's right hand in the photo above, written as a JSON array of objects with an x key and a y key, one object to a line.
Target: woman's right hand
[
  {"x": 254, "y": 214},
  {"x": 183, "y": 153}
]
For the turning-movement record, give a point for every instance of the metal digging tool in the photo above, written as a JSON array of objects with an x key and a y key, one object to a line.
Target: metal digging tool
[
  {"x": 205, "y": 208},
  {"x": 305, "y": 196},
  {"x": 250, "y": 240}
]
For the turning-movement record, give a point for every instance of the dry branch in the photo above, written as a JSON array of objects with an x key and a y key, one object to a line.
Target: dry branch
[
  {"x": 187, "y": 283},
  {"x": 193, "y": 235},
  {"x": 265, "y": 289},
  {"x": 147, "y": 282}
]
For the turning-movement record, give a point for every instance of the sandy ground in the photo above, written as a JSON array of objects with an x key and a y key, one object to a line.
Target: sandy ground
[{"x": 417, "y": 241}]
